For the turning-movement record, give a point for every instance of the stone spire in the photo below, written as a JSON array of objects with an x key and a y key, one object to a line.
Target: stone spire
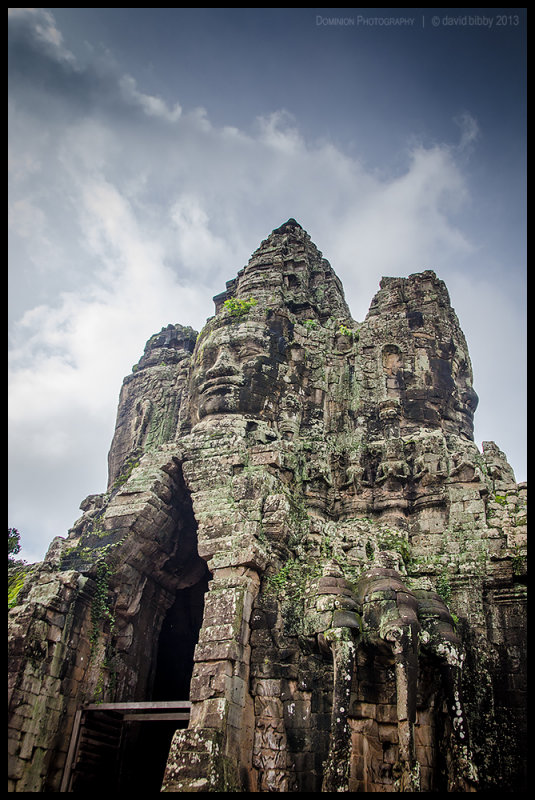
[
  {"x": 424, "y": 374},
  {"x": 150, "y": 398},
  {"x": 289, "y": 270}
]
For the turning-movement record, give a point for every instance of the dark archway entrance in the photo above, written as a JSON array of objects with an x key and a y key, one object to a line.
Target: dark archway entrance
[
  {"x": 178, "y": 637},
  {"x": 124, "y": 746},
  {"x": 100, "y": 752},
  {"x": 147, "y": 742}
]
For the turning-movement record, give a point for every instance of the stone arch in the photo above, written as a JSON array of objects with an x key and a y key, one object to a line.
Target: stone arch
[
  {"x": 158, "y": 573},
  {"x": 158, "y": 585},
  {"x": 129, "y": 564}
]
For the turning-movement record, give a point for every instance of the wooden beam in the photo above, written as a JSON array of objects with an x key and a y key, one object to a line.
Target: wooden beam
[
  {"x": 75, "y": 735},
  {"x": 153, "y": 717},
  {"x": 150, "y": 705}
]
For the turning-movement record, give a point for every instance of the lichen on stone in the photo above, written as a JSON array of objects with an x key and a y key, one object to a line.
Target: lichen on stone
[{"x": 354, "y": 566}]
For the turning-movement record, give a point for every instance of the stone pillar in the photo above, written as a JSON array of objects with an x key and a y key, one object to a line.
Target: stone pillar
[
  {"x": 406, "y": 665},
  {"x": 462, "y": 774},
  {"x": 440, "y": 638},
  {"x": 390, "y": 619},
  {"x": 221, "y": 728},
  {"x": 337, "y": 766}
]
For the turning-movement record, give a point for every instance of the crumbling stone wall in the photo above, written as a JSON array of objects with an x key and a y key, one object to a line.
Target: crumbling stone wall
[
  {"x": 364, "y": 619},
  {"x": 79, "y": 633}
]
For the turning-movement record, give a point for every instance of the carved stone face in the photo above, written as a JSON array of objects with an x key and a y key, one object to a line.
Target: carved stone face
[{"x": 238, "y": 367}]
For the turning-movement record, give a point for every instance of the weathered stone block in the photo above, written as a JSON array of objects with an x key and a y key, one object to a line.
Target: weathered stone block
[
  {"x": 327, "y": 475},
  {"x": 386, "y": 713}
]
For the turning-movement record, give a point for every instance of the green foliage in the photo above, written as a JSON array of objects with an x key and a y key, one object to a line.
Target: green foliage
[
  {"x": 100, "y": 608},
  {"x": 13, "y": 547},
  {"x": 15, "y": 582},
  {"x": 288, "y": 585},
  {"x": 310, "y": 324},
  {"x": 443, "y": 587},
  {"x": 278, "y": 582},
  {"x": 345, "y": 331},
  {"x": 518, "y": 560},
  {"x": 127, "y": 470},
  {"x": 389, "y": 540},
  {"x": 17, "y": 568},
  {"x": 238, "y": 308}
]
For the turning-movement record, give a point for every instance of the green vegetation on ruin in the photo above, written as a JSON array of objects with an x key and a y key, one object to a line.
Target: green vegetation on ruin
[
  {"x": 238, "y": 308},
  {"x": 128, "y": 467}
]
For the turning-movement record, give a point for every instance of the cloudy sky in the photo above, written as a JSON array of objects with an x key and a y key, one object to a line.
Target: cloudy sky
[{"x": 151, "y": 150}]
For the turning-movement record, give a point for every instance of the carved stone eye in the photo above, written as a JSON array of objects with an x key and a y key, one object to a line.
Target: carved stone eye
[{"x": 250, "y": 351}]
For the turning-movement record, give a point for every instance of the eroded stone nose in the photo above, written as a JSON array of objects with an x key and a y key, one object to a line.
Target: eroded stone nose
[{"x": 223, "y": 366}]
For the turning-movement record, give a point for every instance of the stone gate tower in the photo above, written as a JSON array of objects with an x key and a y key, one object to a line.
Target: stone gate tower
[{"x": 301, "y": 553}]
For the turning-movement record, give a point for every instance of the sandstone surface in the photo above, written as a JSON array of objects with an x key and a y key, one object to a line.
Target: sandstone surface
[{"x": 301, "y": 538}]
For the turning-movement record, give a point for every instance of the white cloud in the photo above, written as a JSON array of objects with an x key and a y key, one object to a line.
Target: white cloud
[
  {"x": 197, "y": 245},
  {"x": 146, "y": 220},
  {"x": 495, "y": 330},
  {"x": 25, "y": 217},
  {"x": 278, "y": 130},
  {"x": 152, "y": 106}
]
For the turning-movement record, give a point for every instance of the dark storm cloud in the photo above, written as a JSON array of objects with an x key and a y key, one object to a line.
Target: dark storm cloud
[{"x": 42, "y": 72}]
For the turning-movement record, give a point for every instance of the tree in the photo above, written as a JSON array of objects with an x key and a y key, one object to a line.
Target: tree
[
  {"x": 13, "y": 547},
  {"x": 17, "y": 569}
]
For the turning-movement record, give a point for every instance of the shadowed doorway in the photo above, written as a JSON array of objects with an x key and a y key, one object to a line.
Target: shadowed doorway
[{"x": 147, "y": 743}]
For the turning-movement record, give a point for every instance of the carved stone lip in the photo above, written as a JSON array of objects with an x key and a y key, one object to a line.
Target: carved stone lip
[{"x": 220, "y": 384}]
